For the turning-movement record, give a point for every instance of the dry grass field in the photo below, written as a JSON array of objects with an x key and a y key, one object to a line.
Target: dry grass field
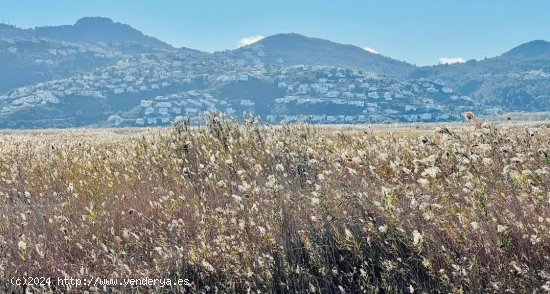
[{"x": 293, "y": 209}]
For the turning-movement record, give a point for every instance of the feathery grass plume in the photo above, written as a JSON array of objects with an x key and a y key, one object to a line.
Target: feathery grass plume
[
  {"x": 237, "y": 207},
  {"x": 470, "y": 117}
]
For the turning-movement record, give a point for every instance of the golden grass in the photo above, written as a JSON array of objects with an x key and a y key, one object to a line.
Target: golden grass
[{"x": 280, "y": 209}]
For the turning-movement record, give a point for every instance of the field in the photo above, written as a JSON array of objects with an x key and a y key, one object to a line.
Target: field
[{"x": 292, "y": 209}]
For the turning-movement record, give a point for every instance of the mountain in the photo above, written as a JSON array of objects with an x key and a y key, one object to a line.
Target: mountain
[
  {"x": 98, "y": 72},
  {"x": 539, "y": 49},
  {"x": 87, "y": 29},
  {"x": 9, "y": 31},
  {"x": 517, "y": 80},
  {"x": 28, "y": 61},
  {"x": 161, "y": 88},
  {"x": 294, "y": 49},
  {"x": 29, "y": 56}
]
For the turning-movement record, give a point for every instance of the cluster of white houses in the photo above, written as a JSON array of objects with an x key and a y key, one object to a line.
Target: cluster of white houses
[
  {"x": 48, "y": 52},
  {"x": 373, "y": 98},
  {"x": 167, "y": 86}
]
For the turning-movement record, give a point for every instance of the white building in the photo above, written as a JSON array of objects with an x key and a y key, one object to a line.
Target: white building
[{"x": 146, "y": 103}]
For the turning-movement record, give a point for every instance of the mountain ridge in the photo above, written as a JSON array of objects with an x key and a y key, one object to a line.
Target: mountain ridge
[
  {"x": 101, "y": 72},
  {"x": 532, "y": 49},
  {"x": 124, "y": 32},
  {"x": 294, "y": 49},
  {"x": 87, "y": 29}
]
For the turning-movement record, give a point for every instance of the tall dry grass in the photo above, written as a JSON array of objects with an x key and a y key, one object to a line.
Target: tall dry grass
[{"x": 293, "y": 209}]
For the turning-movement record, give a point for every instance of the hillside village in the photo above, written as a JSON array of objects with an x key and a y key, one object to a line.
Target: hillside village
[
  {"x": 166, "y": 86},
  {"x": 53, "y": 83}
]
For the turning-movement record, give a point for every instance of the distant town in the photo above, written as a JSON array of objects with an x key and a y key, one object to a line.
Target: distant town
[{"x": 128, "y": 83}]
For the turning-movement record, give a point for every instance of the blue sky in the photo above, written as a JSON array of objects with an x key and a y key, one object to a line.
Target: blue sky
[{"x": 420, "y": 32}]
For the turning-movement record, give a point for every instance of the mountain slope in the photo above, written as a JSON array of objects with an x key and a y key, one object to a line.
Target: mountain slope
[
  {"x": 518, "y": 80},
  {"x": 98, "y": 29},
  {"x": 24, "y": 62},
  {"x": 9, "y": 31},
  {"x": 98, "y": 72},
  {"x": 293, "y": 49},
  {"x": 159, "y": 88},
  {"x": 29, "y": 56},
  {"x": 87, "y": 29},
  {"x": 539, "y": 49}
]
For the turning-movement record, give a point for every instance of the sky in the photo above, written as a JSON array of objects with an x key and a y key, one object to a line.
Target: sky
[{"x": 421, "y": 32}]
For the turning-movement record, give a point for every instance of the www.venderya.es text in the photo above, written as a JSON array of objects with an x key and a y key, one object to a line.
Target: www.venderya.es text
[{"x": 97, "y": 281}]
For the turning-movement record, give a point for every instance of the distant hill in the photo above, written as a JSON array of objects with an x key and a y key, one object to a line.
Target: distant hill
[
  {"x": 101, "y": 72},
  {"x": 87, "y": 29},
  {"x": 518, "y": 80},
  {"x": 534, "y": 49},
  {"x": 25, "y": 62},
  {"x": 9, "y": 31},
  {"x": 293, "y": 49},
  {"x": 158, "y": 89},
  {"x": 29, "y": 56}
]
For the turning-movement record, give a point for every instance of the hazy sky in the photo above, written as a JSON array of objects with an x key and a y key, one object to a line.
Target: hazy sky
[{"x": 419, "y": 32}]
